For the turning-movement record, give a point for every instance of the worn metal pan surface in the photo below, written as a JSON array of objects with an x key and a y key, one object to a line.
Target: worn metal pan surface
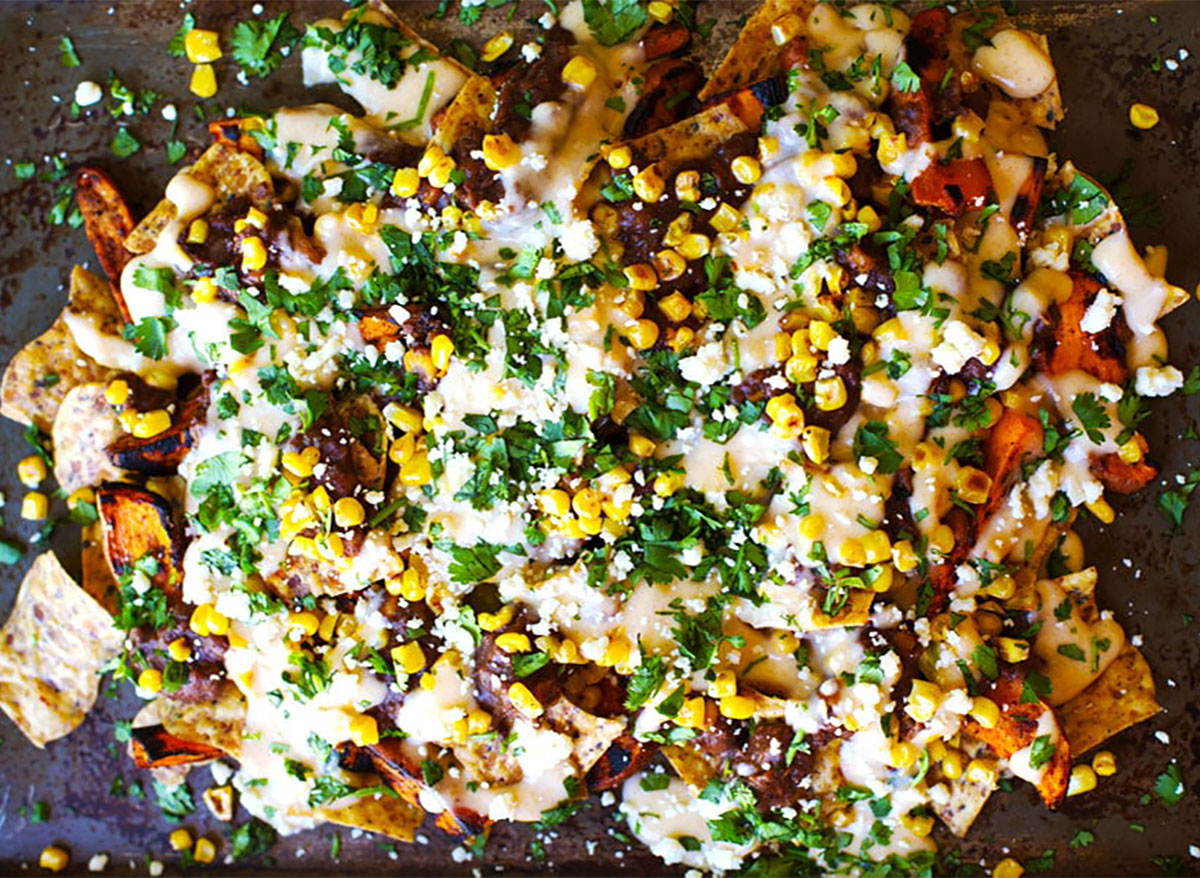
[{"x": 1107, "y": 55}]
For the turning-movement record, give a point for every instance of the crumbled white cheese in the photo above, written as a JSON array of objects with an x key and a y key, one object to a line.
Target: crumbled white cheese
[
  {"x": 88, "y": 93},
  {"x": 1100, "y": 313},
  {"x": 1157, "y": 380},
  {"x": 959, "y": 344}
]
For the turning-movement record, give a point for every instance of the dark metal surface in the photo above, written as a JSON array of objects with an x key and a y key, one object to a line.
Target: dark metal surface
[{"x": 1104, "y": 54}]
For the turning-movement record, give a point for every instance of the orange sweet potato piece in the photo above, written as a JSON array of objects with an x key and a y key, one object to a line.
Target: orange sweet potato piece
[
  {"x": 625, "y": 757},
  {"x": 161, "y": 455},
  {"x": 155, "y": 747},
  {"x": 378, "y": 328},
  {"x": 953, "y": 187},
  {"x": 1069, "y": 347},
  {"x": 137, "y": 523},
  {"x": 665, "y": 39},
  {"x": 912, "y": 113},
  {"x": 1029, "y": 197},
  {"x": 1124, "y": 478},
  {"x": 667, "y": 96},
  {"x": 235, "y": 131},
  {"x": 1016, "y": 729},
  {"x": 108, "y": 222},
  {"x": 1013, "y": 437}
]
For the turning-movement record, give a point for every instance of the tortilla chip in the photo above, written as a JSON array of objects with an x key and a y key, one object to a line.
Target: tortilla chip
[
  {"x": 967, "y": 797},
  {"x": 217, "y": 722},
  {"x": 83, "y": 428},
  {"x": 92, "y": 299},
  {"x": 754, "y": 56},
  {"x": 470, "y": 110},
  {"x": 592, "y": 734},
  {"x": 1045, "y": 110},
  {"x": 52, "y": 649},
  {"x": 385, "y": 815},
  {"x": 696, "y": 137},
  {"x": 222, "y": 166},
  {"x": 1122, "y": 696},
  {"x": 857, "y": 611},
  {"x": 98, "y": 580},
  {"x": 690, "y": 764}
]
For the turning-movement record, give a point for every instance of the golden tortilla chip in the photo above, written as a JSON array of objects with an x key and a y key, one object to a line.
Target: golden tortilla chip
[
  {"x": 1122, "y": 696},
  {"x": 967, "y": 797},
  {"x": 693, "y": 138},
  {"x": 754, "y": 56},
  {"x": 385, "y": 815},
  {"x": 98, "y": 579},
  {"x": 52, "y": 649},
  {"x": 92, "y": 299},
  {"x": 217, "y": 722},
  {"x": 225, "y": 168},
  {"x": 592, "y": 734},
  {"x": 83, "y": 429},
  {"x": 470, "y": 110},
  {"x": 691, "y": 764}
]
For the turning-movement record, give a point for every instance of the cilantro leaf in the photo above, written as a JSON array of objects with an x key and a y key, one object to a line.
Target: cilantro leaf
[
  {"x": 905, "y": 79},
  {"x": 646, "y": 680},
  {"x": 1093, "y": 417},
  {"x": 176, "y": 47},
  {"x": 1169, "y": 785},
  {"x": 67, "y": 56},
  {"x": 149, "y": 336},
  {"x": 124, "y": 144},
  {"x": 252, "y": 837},
  {"x": 1174, "y": 502},
  {"x": 871, "y": 440},
  {"x": 256, "y": 45},
  {"x": 615, "y": 21}
]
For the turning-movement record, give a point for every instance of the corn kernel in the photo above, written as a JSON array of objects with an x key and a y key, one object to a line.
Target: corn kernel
[
  {"x": 723, "y": 685},
  {"x": 1012, "y": 650},
  {"x": 117, "y": 392},
  {"x": 1008, "y": 868},
  {"x": 180, "y": 839},
  {"x": 692, "y": 714},
  {"x": 666, "y": 484},
  {"x": 923, "y": 700},
  {"x": 441, "y": 349},
  {"x": 1143, "y": 116},
  {"x": 205, "y": 851},
  {"x": 151, "y": 680},
  {"x": 500, "y": 152},
  {"x": 981, "y": 771},
  {"x": 328, "y": 625},
  {"x": 83, "y": 495},
  {"x": 649, "y": 185},
  {"x": 1131, "y": 451},
  {"x": 786, "y": 28},
  {"x": 348, "y": 512},
  {"x": 694, "y": 246},
  {"x": 586, "y": 503},
  {"x": 830, "y": 393},
  {"x": 821, "y": 334},
  {"x": 952, "y": 765},
  {"x": 150, "y": 424},
  {"x": 746, "y": 169},
  {"x": 920, "y": 825},
  {"x": 254, "y": 254},
  {"x": 497, "y": 46},
  {"x": 197, "y": 232},
  {"x": 513, "y": 641},
  {"x": 409, "y": 657},
  {"x": 641, "y": 276},
  {"x": 179, "y": 650},
  {"x": 35, "y": 506},
  {"x": 802, "y": 368},
  {"x": 1102, "y": 510},
  {"x": 1002, "y": 587},
  {"x": 497, "y": 620},
  {"x": 54, "y": 859},
  {"x": 985, "y": 711},
  {"x": 852, "y": 553},
  {"x": 660, "y": 10},
  {"x": 736, "y": 707},
  {"x": 406, "y": 182},
  {"x": 641, "y": 446},
  {"x": 973, "y": 485},
  {"x": 580, "y": 71},
  {"x": 1104, "y": 763},
  {"x": 204, "y": 81},
  {"x": 878, "y": 546},
  {"x": 1083, "y": 780},
  {"x": 885, "y": 577},
  {"x": 416, "y": 472},
  {"x": 680, "y": 338},
  {"x": 439, "y": 177},
  {"x": 308, "y": 623},
  {"x": 412, "y": 588},
  {"x": 903, "y": 755},
  {"x": 301, "y": 463},
  {"x": 785, "y": 413},
  {"x": 202, "y": 46},
  {"x": 31, "y": 471},
  {"x": 812, "y": 526},
  {"x": 642, "y": 334},
  {"x": 941, "y": 540},
  {"x": 524, "y": 700},
  {"x": 676, "y": 307},
  {"x": 619, "y": 157},
  {"x": 725, "y": 218}
]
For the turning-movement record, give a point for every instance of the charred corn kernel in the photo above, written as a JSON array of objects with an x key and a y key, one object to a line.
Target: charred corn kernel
[
  {"x": 649, "y": 185},
  {"x": 179, "y": 650},
  {"x": 329, "y": 624},
  {"x": 1002, "y": 587},
  {"x": 1131, "y": 451},
  {"x": 926, "y": 455},
  {"x": 687, "y": 186},
  {"x": 1012, "y": 650},
  {"x": 1104, "y": 763},
  {"x": 1083, "y": 780},
  {"x": 500, "y": 152},
  {"x": 54, "y": 859},
  {"x": 677, "y": 230},
  {"x": 642, "y": 334},
  {"x": 632, "y": 302},
  {"x": 985, "y": 711},
  {"x": 31, "y": 471},
  {"x": 151, "y": 680},
  {"x": 666, "y": 484},
  {"x": 513, "y": 641},
  {"x": 694, "y": 246},
  {"x": 736, "y": 707},
  {"x": 941, "y": 540},
  {"x": 812, "y": 526},
  {"x": 676, "y": 307},
  {"x": 439, "y": 177},
  {"x": 891, "y": 147},
  {"x": 406, "y": 182},
  {"x": 478, "y": 722},
  {"x": 680, "y": 338},
  {"x": 972, "y": 484},
  {"x": 497, "y": 620},
  {"x": 301, "y": 463},
  {"x": 409, "y": 657},
  {"x": 348, "y": 512},
  {"x": 692, "y": 714},
  {"x": 586, "y": 503},
  {"x": 1102, "y": 510},
  {"x": 364, "y": 730},
  {"x": 821, "y": 334},
  {"x": 204, "y": 81},
  {"x": 746, "y": 169},
  {"x": 180, "y": 839},
  {"x": 784, "y": 411},
  {"x": 786, "y": 28},
  {"x": 903, "y": 755},
  {"x": 830, "y": 393},
  {"x": 197, "y": 232},
  {"x": 34, "y": 506},
  {"x": 429, "y": 159},
  {"x": 723, "y": 685},
  {"x": 815, "y": 442},
  {"x": 220, "y": 802},
  {"x": 1008, "y": 868},
  {"x": 205, "y": 851},
  {"x": 555, "y": 501},
  {"x": 852, "y": 553},
  {"x": 878, "y": 546},
  {"x": 923, "y": 700},
  {"x": 416, "y": 471},
  {"x": 660, "y": 10},
  {"x": 641, "y": 446},
  {"x": 981, "y": 771},
  {"x": 725, "y": 218},
  {"x": 441, "y": 349},
  {"x": 641, "y": 276},
  {"x": 497, "y": 46},
  {"x": 919, "y": 825},
  {"x": 254, "y": 254},
  {"x": 524, "y": 700},
  {"x": 117, "y": 392},
  {"x": 802, "y": 368},
  {"x": 580, "y": 71},
  {"x": 306, "y": 622},
  {"x": 202, "y": 46},
  {"x": 619, "y": 157},
  {"x": 412, "y": 587},
  {"x": 1143, "y": 116}
]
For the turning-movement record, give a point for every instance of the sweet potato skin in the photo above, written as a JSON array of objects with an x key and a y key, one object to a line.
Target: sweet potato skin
[
  {"x": 137, "y": 523},
  {"x": 161, "y": 455},
  {"x": 1061, "y": 345},
  {"x": 955, "y": 187},
  {"x": 108, "y": 222},
  {"x": 234, "y": 131},
  {"x": 665, "y": 39},
  {"x": 155, "y": 747},
  {"x": 666, "y": 96},
  {"x": 1014, "y": 436},
  {"x": 623, "y": 759},
  {"x": 1121, "y": 477}
]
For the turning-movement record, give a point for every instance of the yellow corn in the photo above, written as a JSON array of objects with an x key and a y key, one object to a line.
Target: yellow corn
[
  {"x": 205, "y": 851},
  {"x": 307, "y": 622},
  {"x": 649, "y": 185},
  {"x": 641, "y": 276},
  {"x": 579, "y": 72},
  {"x": 891, "y": 147},
  {"x": 812, "y": 526},
  {"x": 54, "y": 859},
  {"x": 497, "y": 46},
  {"x": 676, "y": 307},
  {"x": 524, "y": 700},
  {"x": 1002, "y": 588},
  {"x": 821, "y": 334},
  {"x": 785, "y": 413},
  {"x": 439, "y": 177},
  {"x": 923, "y": 700},
  {"x": 179, "y": 650},
  {"x": 723, "y": 685},
  {"x": 736, "y": 707},
  {"x": 441, "y": 349},
  {"x": 903, "y": 755},
  {"x": 500, "y": 152},
  {"x": 416, "y": 472},
  {"x": 151, "y": 680},
  {"x": 1102, "y": 510},
  {"x": 254, "y": 254},
  {"x": 687, "y": 186},
  {"x": 878, "y": 546},
  {"x": 619, "y": 158},
  {"x": 642, "y": 334},
  {"x": 83, "y": 495},
  {"x": 680, "y": 338},
  {"x": 406, "y": 182},
  {"x": 1008, "y": 868},
  {"x": 150, "y": 424},
  {"x": 497, "y": 620},
  {"x": 884, "y": 579},
  {"x": 197, "y": 232},
  {"x": 830, "y": 393},
  {"x": 692, "y": 714},
  {"x": 180, "y": 839},
  {"x": 555, "y": 502},
  {"x": 1083, "y": 780},
  {"x": 941, "y": 540},
  {"x": 348, "y": 512},
  {"x": 981, "y": 771},
  {"x": 362, "y": 218},
  {"x": 586, "y": 503},
  {"x": 973, "y": 485},
  {"x": 725, "y": 218},
  {"x": 660, "y": 10},
  {"x": 117, "y": 392},
  {"x": 815, "y": 442},
  {"x": 409, "y": 657},
  {"x": 204, "y": 81},
  {"x": 1143, "y": 116},
  {"x": 666, "y": 484},
  {"x": 952, "y": 765},
  {"x": 513, "y": 641},
  {"x": 1104, "y": 763},
  {"x": 746, "y": 169},
  {"x": 35, "y": 506},
  {"x": 31, "y": 471},
  {"x": 985, "y": 712},
  {"x": 1131, "y": 451},
  {"x": 1012, "y": 650},
  {"x": 641, "y": 446},
  {"x": 920, "y": 826},
  {"x": 694, "y": 246},
  {"x": 202, "y": 46}
]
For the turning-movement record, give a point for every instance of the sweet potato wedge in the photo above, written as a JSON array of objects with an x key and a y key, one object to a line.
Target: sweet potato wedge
[
  {"x": 1017, "y": 728},
  {"x": 1124, "y": 478},
  {"x": 927, "y": 43},
  {"x": 161, "y": 455},
  {"x": 1061, "y": 345},
  {"x": 137, "y": 523},
  {"x": 912, "y": 113},
  {"x": 155, "y": 747},
  {"x": 665, "y": 39},
  {"x": 236, "y": 133},
  {"x": 378, "y": 328},
  {"x": 624, "y": 758},
  {"x": 954, "y": 187},
  {"x": 1012, "y": 437},
  {"x": 108, "y": 222},
  {"x": 1029, "y": 197},
  {"x": 668, "y": 95}
]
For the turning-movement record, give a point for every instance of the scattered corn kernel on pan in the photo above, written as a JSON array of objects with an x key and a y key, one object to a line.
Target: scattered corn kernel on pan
[{"x": 80, "y": 792}]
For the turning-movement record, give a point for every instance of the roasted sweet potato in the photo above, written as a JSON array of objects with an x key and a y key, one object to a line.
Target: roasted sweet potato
[
  {"x": 954, "y": 187},
  {"x": 108, "y": 222},
  {"x": 136, "y": 524},
  {"x": 926, "y": 43},
  {"x": 1029, "y": 197},
  {"x": 623, "y": 759},
  {"x": 378, "y": 328},
  {"x": 1124, "y": 478},
  {"x": 749, "y": 103},
  {"x": 912, "y": 113},
  {"x": 1061, "y": 345},
  {"x": 161, "y": 455},
  {"x": 668, "y": 95},
  {"x": 665, "y": 39},
  {"x": 1017, "y": 728},
  {"x": 235, "y": 132},
  {"x": 155, "y": 747},
  {"x": 1012, "y": 437}
]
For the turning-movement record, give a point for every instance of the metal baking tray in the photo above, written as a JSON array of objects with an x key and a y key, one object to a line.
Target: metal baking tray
[{"x": 1106, "y": 57}]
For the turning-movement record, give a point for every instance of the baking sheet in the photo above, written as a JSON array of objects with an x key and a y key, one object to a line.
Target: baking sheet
[{"x": 1104, "y": 54}]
